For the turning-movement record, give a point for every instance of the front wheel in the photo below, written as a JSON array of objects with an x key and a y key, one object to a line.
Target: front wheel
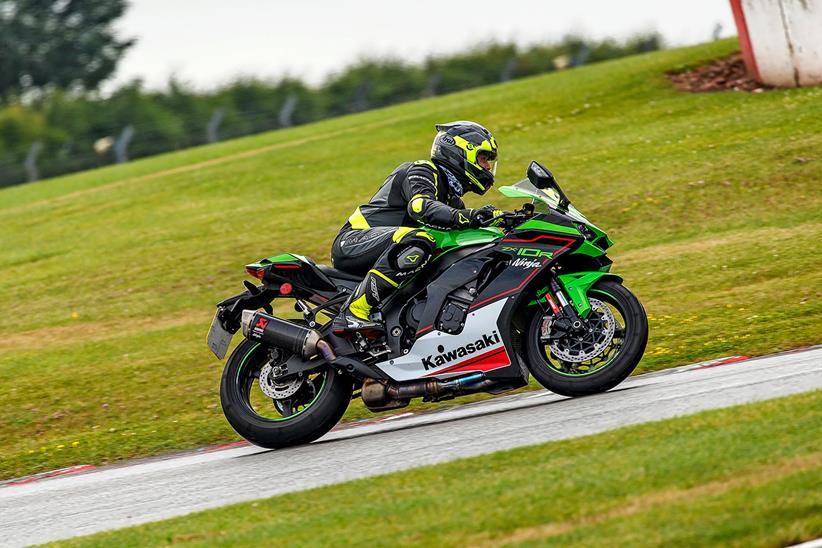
[
  {"x": 290, "y": 411},
  {"x": 601, "y": 357}
]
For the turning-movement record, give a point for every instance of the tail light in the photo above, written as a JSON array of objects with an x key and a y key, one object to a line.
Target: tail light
[{"x": 256, "y": 272}]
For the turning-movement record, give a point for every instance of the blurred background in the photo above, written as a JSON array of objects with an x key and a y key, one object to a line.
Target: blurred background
[
  {"x": 94, "y": 82},
  {"x": 108, "y": 277}
]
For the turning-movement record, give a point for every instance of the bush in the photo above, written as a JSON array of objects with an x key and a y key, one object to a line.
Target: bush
[{"x": 69, "y": 124}]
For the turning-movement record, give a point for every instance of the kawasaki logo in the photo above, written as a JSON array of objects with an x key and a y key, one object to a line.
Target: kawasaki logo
[
  {"x": 528, "y": 251},
  {"x": 444, "y": 357}
]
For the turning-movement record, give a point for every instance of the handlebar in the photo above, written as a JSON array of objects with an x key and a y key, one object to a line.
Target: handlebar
[{"x": 512, "y": 219}]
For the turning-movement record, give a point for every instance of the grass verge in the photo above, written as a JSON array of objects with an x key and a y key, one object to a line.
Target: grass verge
[
  {"x": 743, "y": 476},
  {"x": 108, "y": 278}
]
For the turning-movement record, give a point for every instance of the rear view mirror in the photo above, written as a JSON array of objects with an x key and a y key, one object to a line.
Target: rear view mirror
[
  {"x": 543, "y": 179},
  {"x": 539, "y": 176}
]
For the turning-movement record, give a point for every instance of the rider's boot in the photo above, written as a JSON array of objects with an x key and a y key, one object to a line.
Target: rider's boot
[{"x": 356, "y": 314}]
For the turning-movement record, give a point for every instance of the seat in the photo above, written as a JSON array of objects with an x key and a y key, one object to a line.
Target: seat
[{"x": 332, "y": 272}]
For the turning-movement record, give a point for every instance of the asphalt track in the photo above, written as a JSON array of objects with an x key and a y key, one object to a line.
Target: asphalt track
[{"x": 119, "y": 496}]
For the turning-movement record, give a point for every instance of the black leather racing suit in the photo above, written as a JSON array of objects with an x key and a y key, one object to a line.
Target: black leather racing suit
[{"x": 385, "y": 239}]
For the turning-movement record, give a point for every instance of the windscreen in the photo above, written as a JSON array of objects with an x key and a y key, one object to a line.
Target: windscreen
[
  {"x": 547, "y": 198},
  {"x": 544, "y": 197}
]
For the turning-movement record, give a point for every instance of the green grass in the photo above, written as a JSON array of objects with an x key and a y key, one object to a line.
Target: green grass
[
  {"x": 743, "y": 476},
  {"x": 108, "y": 278}
]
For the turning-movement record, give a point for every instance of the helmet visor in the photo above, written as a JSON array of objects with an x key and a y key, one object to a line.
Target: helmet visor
[{"x": 487, "y": 159}]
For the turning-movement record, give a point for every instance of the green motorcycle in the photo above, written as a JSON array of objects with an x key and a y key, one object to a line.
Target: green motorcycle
[{"x": 532, "y": 296}]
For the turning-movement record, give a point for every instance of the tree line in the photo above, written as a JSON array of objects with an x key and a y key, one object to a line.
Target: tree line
[{"x": 78, "y": 128}]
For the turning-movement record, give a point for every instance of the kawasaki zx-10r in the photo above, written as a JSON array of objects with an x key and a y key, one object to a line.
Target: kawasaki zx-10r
[{"x": 531, "y": 296}]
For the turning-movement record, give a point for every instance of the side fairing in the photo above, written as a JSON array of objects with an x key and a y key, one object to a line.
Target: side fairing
[
  {"x": 484, "y": 343},
  {"x": 479, "y": 347}
]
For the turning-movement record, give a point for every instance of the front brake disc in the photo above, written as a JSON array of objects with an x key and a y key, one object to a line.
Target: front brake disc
[{"x": 585, "y": 346}]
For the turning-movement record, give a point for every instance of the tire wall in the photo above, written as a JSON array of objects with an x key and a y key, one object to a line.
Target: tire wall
[{"x": 781, "y": 40}]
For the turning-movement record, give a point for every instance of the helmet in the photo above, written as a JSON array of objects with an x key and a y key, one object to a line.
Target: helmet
[{"x": 470, "y": 151}]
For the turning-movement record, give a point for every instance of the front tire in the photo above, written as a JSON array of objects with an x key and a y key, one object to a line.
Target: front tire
[
  {"x": 315, "y": 406},
  {"x": 569, "y": 376}
]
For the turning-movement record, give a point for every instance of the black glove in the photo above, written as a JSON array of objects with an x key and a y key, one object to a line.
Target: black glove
[{"x": 485, "y": 216}]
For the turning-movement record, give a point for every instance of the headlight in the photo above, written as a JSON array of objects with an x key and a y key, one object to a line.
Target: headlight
[{"x": 585, "y": 231}]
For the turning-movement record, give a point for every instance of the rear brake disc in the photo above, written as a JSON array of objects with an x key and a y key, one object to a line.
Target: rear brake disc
[{"x": 280, "y": 389}]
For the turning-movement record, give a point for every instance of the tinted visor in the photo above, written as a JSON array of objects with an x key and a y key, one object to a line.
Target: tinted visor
[{"x": 488, "y": 160}]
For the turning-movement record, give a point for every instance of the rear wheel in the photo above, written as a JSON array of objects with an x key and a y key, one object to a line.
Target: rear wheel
[
  {"x": 290, "y": 411},
  {"x": 598, "y": 358}
]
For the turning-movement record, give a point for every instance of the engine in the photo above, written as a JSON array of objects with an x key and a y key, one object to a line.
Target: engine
[{"x": 452, "y": 314}]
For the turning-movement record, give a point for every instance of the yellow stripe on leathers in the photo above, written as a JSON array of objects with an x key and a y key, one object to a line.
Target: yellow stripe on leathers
[
  {"x": 436, "y": 176},
  {"x": 403, "y": 231},
  {"x": 384, "y": 277},
  {"x": 357, "y": 220}
]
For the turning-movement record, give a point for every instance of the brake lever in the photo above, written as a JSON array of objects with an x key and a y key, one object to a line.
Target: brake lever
[{"x": 512, "y": 220}]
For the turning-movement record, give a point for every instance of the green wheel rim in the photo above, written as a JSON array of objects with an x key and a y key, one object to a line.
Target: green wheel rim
[
  {"x": 601, "y": 367},
  {"x": 290, "y": 417}
]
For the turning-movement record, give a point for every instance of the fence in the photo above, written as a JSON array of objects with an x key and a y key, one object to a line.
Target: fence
[{"x": 360, "y": 88}]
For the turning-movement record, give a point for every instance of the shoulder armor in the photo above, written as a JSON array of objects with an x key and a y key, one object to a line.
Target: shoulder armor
[{"x": 429, "y": 163}]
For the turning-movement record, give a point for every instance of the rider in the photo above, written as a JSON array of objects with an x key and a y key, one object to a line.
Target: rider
[{"x": 385, "y": 238}]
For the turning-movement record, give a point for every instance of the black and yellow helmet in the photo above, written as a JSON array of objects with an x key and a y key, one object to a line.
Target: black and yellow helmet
[{"x": 469, "y": 151}]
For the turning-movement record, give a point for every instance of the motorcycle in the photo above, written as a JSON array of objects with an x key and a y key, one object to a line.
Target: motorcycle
[{"x": 533, "y": 295}]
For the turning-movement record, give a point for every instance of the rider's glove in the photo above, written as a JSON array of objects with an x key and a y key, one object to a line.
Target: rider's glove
[{"x": 485, "y": 216}]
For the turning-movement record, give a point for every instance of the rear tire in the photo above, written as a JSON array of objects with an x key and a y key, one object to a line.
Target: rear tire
[
  {"x": 260, "y": 420},
  {"x": 563, "y": 377}
]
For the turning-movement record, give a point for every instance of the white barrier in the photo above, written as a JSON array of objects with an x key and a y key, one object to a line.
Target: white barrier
[{"x": 781, "y": 40}]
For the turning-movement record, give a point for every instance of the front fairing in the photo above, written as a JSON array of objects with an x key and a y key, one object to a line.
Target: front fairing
[{"x": 546, "y": 202}]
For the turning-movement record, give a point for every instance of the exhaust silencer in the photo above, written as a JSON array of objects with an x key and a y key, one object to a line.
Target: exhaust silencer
[{"x": 284, "y": 334}]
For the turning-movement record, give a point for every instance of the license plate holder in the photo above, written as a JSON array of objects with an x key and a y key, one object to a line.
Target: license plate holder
[{"x": 218, "y": 338}]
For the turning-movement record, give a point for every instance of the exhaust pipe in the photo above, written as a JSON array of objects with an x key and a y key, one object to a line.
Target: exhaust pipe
[
  {"x": 284, "y": 334},
  {"x": 380, "y": 396}
]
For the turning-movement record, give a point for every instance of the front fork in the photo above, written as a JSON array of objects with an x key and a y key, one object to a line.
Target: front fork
[
  {"x": 565, "y": 306},
  {"x": 570, "y": 312},
  {"x": 566, "y": 318}
]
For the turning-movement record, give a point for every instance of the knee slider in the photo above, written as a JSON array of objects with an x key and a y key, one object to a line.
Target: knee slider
[{"x": 411, "y": 257}]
